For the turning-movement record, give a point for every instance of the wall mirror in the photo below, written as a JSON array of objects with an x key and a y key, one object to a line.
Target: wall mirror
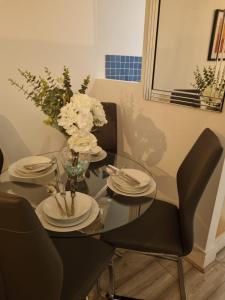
[{"x": 185, "y": 53}]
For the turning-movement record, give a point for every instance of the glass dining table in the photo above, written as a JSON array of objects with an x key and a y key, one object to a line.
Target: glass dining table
[{"x": 115, "y": 209}]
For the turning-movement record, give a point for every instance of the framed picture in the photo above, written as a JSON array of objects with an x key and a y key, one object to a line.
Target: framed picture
[{"x": 217, "y": 42}]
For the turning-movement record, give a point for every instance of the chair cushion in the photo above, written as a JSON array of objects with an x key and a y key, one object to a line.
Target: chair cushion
[
  {"x": 84, "y": 259},
  {"x": 157, "y": 230}
]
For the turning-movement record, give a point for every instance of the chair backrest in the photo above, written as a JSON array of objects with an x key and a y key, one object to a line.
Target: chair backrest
[
  {"x": 30, "y": 267},
  {"x": 192, "y": 178},
  {"x": 107, "y": 135},
  {"x": 1, "y": 160}
]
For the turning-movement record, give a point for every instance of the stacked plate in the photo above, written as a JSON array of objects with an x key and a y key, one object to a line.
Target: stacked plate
[
  {"x": 121, "y": 184},
  {"x": 97, "y": 154},
  {"x": 32, "y": 167},
  {"x": 85, "y": 212}
]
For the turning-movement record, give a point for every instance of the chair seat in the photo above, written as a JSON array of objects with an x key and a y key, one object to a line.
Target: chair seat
[
  {"x": 157, "y": 230},
  {"x": 83, "y": 260}
]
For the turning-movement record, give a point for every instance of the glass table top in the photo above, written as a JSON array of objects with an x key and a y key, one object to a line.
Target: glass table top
[{"x": 115, "y": 211}]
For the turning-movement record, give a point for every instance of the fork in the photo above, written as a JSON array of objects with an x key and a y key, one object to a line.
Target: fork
[{"x": 52, "y": 190}]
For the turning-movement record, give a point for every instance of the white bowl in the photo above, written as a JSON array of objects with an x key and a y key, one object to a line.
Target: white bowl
[
  {"x": 16, "y": 167},
  {"x": 96, "y": 150},
  {"x": 82, "y": 206}
]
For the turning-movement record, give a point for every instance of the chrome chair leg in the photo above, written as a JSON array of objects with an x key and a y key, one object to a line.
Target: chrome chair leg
[
  {"x": 112, "y": 277},
  {"x": 181, "y": 278},
  {"x": 118, "y": 253},
  {"x": 110, "y": 295}
]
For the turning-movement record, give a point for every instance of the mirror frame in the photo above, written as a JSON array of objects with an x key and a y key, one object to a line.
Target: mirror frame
[{"x": 152, "y": 17}]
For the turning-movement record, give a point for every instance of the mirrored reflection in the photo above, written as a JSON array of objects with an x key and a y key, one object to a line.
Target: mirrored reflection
[{"x": 189, "y": 65}]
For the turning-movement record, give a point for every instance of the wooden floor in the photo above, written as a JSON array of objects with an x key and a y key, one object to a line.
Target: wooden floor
[{"x": 144, "y": 277}]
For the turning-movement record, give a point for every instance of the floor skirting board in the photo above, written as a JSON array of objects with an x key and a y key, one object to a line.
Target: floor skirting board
[
  {"x": 125, "y": 298},
  {"x": 201, "y": 258}
]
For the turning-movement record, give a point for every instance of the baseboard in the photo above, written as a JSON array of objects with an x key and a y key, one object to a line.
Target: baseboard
[
  {"x": 125, "y": 298},
  {"x": 200, "y": 258}
]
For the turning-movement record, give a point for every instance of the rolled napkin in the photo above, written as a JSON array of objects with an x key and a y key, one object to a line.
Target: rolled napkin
[
  {"x": 112, "y": 170},
  {"x": 36, "y": 167}
]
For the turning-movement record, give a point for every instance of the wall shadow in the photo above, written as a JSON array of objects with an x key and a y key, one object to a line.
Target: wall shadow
[
  {"x": 10, "y": 141},
  {"x": 145, "y": 141}
]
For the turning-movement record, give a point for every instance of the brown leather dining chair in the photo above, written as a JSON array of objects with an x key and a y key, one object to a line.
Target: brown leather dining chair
[
  {"x": 107, "y": 135},
  {"x": 34, "y": 267},
  {"x": 1, "y": 160},
  {"x": 165, "y": 230}
]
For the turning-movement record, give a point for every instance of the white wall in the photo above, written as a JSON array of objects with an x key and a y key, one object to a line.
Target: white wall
[
  {"x": 34, "y": 34},
  {"x": 183, "y": 41},
  {"x": 120, "y": 29}
]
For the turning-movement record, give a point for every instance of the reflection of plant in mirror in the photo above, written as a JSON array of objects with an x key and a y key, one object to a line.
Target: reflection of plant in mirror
[{"x": 211, "y": 82}]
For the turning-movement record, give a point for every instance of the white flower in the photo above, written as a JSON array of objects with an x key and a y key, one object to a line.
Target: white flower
[
  {"x": 82, "y": 142},
  {"x": 82, "y": 113},
  {"x": 98, "y": 113}
]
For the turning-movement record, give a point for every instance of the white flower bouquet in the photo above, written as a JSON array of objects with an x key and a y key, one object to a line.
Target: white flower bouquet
[
  {"x": 74, "y": 114},
  {"x": 78, "y": 117}
]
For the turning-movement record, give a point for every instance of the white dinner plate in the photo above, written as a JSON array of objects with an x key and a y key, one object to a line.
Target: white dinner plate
[
  {"x": 66, "y": 224},
  {"x": 96, "y": 151},
  {"x": 147, "y": 190},
  {"x": 90, "y": 219},
  {"x": 102, "y": 155},
  {"x": 13, "y": 169},
  {"x": 82, "y": 206}
]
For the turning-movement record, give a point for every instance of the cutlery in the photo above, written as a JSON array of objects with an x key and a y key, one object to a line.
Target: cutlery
[
  {"x": 100, "y": 192},
  {"x": 116, "y": 171},
  {"x": 63, "y": 194},
  {"x": 52, "y": 190},
  {"x": 73, "y": 194},
  {"x": 59, "y": 205},
  {"x": 60, "y": 186}
]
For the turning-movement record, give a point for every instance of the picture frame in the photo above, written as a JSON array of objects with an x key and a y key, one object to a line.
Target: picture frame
[{"x": 217, "y": 41}]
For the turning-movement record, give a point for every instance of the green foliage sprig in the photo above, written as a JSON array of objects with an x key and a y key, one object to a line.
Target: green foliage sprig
[
  {"x": 48, "y": 93},
  {"x": 210, "y": 77},
  {"x": 85, "y": 84}
]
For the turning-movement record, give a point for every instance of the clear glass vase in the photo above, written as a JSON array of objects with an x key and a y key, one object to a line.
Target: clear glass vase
[{"x": 75, "y": 164}]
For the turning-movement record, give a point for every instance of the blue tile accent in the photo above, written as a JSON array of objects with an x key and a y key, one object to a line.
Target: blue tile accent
[
  {"x": 123, "y": 67},
  {"x": 112, "y": 58},
  {"x": 117, "y": 58}
]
